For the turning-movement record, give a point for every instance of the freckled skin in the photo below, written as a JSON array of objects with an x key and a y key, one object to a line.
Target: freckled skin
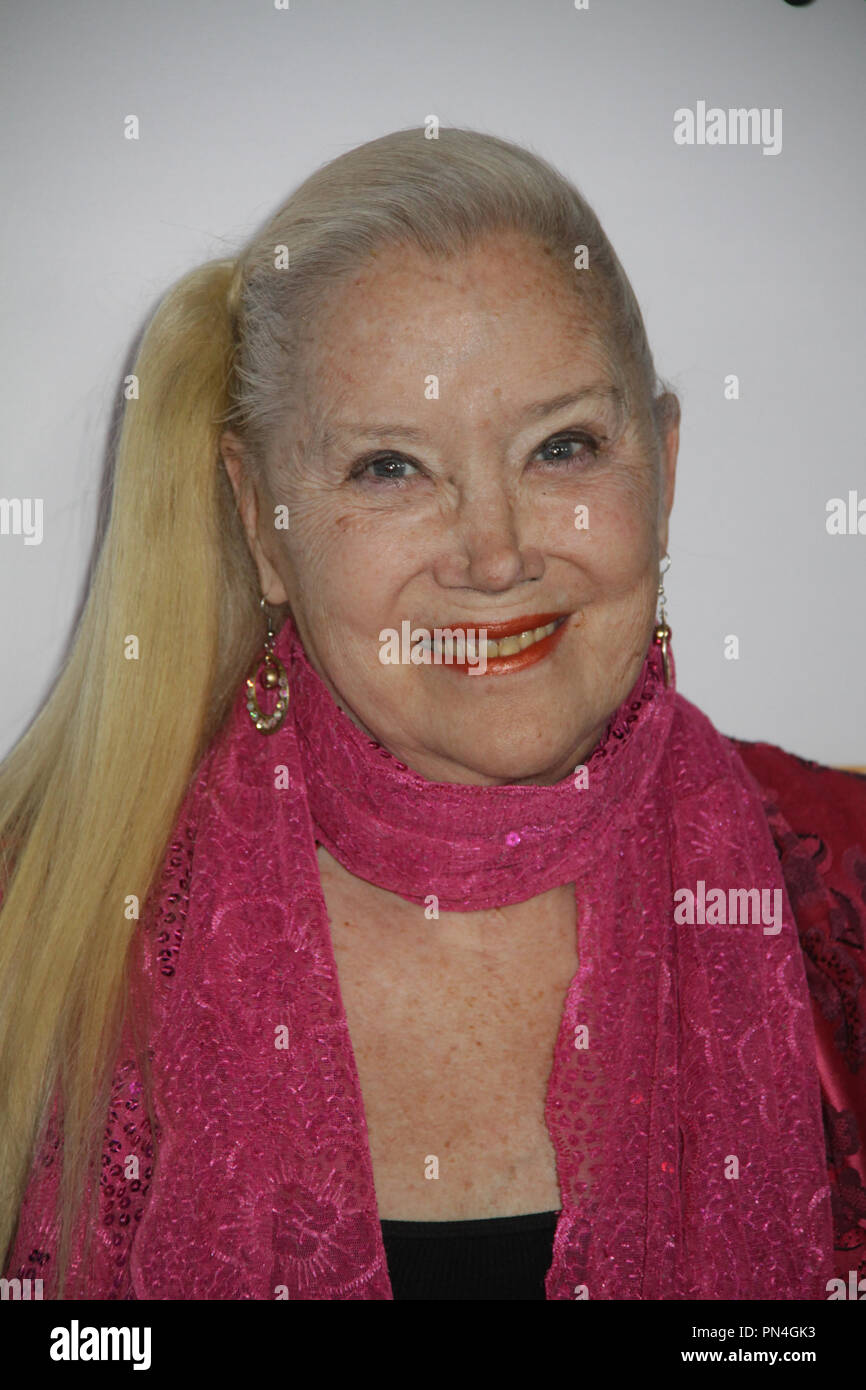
[
  {"x": 481, "y": 526},
  {"x": 453, "y": 1022}
]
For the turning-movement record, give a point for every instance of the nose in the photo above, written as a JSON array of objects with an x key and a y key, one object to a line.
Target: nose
[{"x": 483, "y": 547}]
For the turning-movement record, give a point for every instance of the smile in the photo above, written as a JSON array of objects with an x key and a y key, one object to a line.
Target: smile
[
  {"x": 511, "y": 646},
  {"x": 479, "y": 649}
]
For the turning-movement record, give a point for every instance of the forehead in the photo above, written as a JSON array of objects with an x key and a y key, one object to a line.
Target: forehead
[
  {"x": 526, "y": 265},
  {"x": 502, "y": 312}
]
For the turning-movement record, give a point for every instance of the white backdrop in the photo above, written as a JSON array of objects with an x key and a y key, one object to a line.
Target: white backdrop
[{"x": 743, "y": 262}]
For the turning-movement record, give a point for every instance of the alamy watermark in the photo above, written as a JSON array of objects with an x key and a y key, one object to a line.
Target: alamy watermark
[
  {"x": 737, "y": 126},
  {"x": 443, "y": 646},
  {"x": 20, "y": 1290},
  {"x": 22, "y": 516},
  {"x": 738, "y": 907}
]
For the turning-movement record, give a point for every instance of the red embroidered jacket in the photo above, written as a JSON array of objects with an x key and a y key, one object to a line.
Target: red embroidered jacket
[{"x": 817, "y": 816}]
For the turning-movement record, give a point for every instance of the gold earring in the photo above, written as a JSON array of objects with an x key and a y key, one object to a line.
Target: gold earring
[
  {"x": 663, "y": 634},
  {"x": 273, "y": 678}
]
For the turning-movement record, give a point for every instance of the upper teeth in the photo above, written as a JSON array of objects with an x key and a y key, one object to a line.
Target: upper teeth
[
  {"x": 506, "y": 646},
  {"x": 509, "y": 646}
]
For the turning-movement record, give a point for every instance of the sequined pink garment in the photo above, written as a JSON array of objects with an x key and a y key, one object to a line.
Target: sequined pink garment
[{"x": 701, "y": 1046}]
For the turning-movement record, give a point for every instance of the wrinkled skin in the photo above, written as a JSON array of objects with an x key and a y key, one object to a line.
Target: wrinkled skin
[{"x": 472, "y": 519}]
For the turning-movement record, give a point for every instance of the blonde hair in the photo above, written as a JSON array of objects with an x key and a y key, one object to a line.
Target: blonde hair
[{"x": 90, "y": 794}]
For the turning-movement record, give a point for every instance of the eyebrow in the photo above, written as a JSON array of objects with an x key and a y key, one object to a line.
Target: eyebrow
[{"x": 537, "y": 411}]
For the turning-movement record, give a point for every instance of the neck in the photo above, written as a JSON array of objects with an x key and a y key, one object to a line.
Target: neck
[{"x": 367, "y": 918}]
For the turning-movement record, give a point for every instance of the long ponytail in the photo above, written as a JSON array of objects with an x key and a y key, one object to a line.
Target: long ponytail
[{"x": 89, "y": 795}]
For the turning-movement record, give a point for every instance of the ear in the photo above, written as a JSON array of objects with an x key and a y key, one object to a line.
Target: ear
[
  {"x": 248, "y": 504},
  {"x": 668, "y": 415}
]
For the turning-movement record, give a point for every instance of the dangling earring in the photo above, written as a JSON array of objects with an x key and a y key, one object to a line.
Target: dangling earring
[
  {"x": 662, "y": 634},
  {"x": 273, "y": 678}
]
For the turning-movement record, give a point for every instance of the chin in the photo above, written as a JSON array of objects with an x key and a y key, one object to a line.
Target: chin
[{"x": 512, "y": 764}]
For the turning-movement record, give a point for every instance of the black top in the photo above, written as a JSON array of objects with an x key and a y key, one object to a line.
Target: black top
[{"x": 503, "y": 1257}]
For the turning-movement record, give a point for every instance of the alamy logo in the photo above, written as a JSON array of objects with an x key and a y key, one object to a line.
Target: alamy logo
[
  {"x": 76, "y": 1343},
  {"x": 737, "y": 907},
  {"x": 736, "y": 126}
]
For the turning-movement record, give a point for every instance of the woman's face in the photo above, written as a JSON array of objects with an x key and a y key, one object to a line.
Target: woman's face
[{"x": 435, "y": 477}]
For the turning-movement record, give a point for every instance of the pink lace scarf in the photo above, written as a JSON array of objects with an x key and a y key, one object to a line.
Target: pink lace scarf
[{"x": 686, "y": 1121}]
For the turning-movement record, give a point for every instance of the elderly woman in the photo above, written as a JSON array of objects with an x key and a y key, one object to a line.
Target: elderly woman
[{"x": 451, "y": 954}]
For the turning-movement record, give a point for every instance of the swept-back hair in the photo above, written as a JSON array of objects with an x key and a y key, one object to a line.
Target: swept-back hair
[{"x": 90, "y": 793}]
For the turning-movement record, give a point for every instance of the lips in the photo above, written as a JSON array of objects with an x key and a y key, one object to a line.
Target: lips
[
  {"x": 513, "y": 627},
  {"x": 528, "y": 631}
]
